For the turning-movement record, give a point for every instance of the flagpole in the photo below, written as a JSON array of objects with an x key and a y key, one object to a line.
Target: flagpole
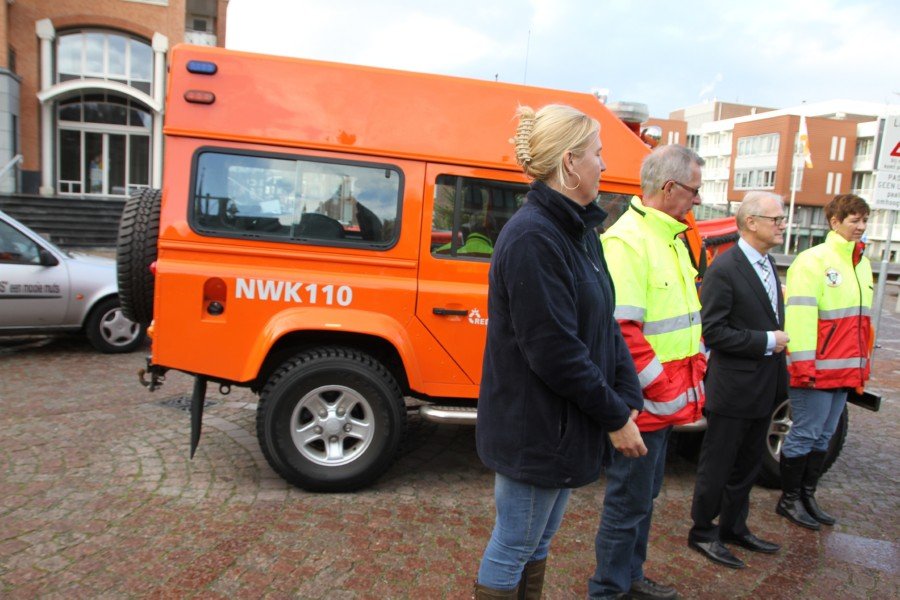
[
  {"x": 790, "y": 226},
  {"x": 801, "y": 147}
]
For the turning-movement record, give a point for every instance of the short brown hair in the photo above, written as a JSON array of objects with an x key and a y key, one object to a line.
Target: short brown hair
[{"x": 845, "y": 205}]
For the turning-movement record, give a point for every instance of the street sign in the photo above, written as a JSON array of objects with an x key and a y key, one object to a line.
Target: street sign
[{"x": 887, "y": 183}]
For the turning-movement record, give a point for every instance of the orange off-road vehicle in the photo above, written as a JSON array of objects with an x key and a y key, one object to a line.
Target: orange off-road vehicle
[{"x": 323, "y": 236}]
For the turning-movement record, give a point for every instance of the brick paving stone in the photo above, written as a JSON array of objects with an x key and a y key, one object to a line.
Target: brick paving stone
[{"x": 99, "y": 499}]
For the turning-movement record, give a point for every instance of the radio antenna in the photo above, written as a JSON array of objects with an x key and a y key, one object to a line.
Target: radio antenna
[{"x": 527, "y": 48}]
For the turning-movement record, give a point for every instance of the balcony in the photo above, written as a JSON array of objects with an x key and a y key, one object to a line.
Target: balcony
[
  {"x": 716, "y": 174},
  {"x": 200, "y": 38},
  {"x": 865, "y": 162},
  {"x": 864, "y": 193}
]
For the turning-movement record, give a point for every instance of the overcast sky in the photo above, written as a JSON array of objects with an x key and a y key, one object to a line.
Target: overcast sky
[{"x": 775, "y": 53}]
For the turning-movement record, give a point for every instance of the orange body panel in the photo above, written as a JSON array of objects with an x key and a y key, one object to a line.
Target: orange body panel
[
  {"x": 377, "y": 112},
  {"x": 421, "y": 126}
]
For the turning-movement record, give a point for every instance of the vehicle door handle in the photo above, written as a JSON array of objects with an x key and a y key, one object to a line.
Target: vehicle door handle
[{"x": 450, "y": 311}]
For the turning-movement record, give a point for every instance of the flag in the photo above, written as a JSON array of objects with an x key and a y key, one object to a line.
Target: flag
[{"x": 804, "y": 143}]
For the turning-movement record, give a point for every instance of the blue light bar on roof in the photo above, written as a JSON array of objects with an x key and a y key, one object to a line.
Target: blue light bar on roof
[{"x": 202, "y": 67}]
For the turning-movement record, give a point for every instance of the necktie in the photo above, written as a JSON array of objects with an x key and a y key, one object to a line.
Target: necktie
[{"x": 769, "y": 284}]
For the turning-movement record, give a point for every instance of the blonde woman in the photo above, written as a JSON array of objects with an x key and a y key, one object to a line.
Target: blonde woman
[{"x": 557, "y": 375}]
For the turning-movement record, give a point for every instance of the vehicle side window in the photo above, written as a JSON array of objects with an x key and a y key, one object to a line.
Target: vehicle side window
[
  {"x": 17, "y": 248},
  {"x": 469, "y": 214},
  {"x": 295, "y": 200},
  {"x": 615, "y": 206}
]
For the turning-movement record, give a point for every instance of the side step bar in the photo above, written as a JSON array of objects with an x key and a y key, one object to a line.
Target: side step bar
[
  {"x": 453, "y": 415},
  {"x": 463, "y": 415}
]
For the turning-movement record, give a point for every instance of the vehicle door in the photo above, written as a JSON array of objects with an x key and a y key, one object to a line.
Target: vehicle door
[
  {"x": 464, "y": 210},
  {"x": 31, "y": 294}
]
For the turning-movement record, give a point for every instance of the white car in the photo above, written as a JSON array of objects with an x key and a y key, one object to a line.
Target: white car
[{"x": 44, "y": 289}]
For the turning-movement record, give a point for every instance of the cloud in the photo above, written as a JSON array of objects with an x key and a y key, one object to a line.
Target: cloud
[
  {"x": 776, "y": 53},
  {"x": 708, "y": 88},
  {"x": 422, "y": 42},
  {"x": 445, "y": 38}
]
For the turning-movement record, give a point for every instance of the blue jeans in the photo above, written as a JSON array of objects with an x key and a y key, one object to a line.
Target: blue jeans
[
  {"x": 621, "y": 545},
  {"x": 527, "y": 518},
  {"x": 815, "y": 415}
]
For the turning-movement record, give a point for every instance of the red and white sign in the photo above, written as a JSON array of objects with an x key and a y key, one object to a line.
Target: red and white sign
[{"x": 887, "y": 183}]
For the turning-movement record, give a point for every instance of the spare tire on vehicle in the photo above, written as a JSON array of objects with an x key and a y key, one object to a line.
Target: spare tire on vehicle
[{"x": 135, "y": 252}]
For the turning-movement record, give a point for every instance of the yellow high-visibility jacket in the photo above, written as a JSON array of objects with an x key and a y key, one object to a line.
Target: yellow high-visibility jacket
[
  {"x": 658, "y": 309},
  {"x": 828, "y": 315}
]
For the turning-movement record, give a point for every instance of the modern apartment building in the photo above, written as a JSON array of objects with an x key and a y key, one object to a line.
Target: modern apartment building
[
  {"x": 82, "y": 88},
  {"x": 755, "y": 148}
]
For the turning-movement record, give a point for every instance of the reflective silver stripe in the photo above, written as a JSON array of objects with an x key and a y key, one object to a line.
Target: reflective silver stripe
[
  {"x": 801, "y": 301},
  {"x": 625, "y": 312},
  {"x": 841, "y": 363},
  {"x": 829, "y": 363},
  {"x": 675, "y": 404},
  {"x": 802, "y": 355},
  {"x": 666, "y": 408},
  {"x": 649, "y": 373},
  {"x": 841, "y": 313},
  {"x": 671, "y": 324}
]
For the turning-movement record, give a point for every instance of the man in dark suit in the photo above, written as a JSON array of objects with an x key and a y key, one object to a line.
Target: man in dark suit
[{"x": 743, "y": 320}]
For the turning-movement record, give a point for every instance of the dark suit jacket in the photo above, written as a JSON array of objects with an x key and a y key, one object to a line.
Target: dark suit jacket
[{"x": 740, "y": 380}]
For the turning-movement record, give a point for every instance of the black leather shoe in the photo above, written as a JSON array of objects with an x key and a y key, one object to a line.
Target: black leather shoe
[
  {"x": 751, "y": 542},
  {"x": 650, "y": 590},
  {"x": 717, "y": 552}
]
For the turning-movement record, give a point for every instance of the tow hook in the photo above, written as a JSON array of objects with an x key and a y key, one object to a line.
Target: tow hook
[{"x": 157, "y": 376}]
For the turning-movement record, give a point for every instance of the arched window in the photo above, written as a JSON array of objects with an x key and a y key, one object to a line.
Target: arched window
[
  {"x": 104, "y": 145},
  {"x": 107, "y": 55},
  {"x": 103, "y": 139}
]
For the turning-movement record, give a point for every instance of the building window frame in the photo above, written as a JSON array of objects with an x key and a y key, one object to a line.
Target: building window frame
[
  {"x": 94, "y": 172},
  {"x": 759, "y": 145},
  {"x": 754, "y": 179},
  {"x": 78, "y": 57}
]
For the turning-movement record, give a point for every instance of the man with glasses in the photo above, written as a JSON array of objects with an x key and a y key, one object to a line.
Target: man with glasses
[
  {"x": 659, "y": 312},
  {"x": 743, "y": 322}
]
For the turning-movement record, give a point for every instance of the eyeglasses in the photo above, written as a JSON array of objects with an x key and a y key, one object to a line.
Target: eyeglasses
[
  {"x": 775, "y": 220},
  {"x": 694, "y": 191}
]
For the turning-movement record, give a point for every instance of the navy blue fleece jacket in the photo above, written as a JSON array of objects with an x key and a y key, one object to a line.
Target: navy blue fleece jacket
[{"x": 557, "y": 374}]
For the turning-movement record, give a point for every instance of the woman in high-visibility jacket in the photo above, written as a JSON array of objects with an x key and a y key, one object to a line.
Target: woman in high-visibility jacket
[{"x": 828, "y": 305}]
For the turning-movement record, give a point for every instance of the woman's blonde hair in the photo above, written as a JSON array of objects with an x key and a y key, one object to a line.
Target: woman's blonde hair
[{"x": 543, "y": 138}]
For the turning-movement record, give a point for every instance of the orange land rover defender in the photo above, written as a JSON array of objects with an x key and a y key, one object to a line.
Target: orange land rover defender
[{"x": 323, "y": 236}]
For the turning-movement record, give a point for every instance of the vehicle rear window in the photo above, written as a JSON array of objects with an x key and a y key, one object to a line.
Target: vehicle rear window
[{"x": 300, "y": 200}]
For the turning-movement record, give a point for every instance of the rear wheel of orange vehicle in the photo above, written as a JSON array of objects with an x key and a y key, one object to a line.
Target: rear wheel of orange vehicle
[
  {"x": 331, "y": 420},
  {"x": 135, "y": 252}
]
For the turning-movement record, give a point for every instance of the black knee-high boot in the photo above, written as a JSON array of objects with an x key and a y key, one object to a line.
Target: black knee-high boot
[
  {"x": 815, "y": 462},
  {"x": 790, "y": 505}
]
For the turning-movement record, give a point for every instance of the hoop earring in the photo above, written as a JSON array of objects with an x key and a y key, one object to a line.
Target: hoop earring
[{"x": 576, "y": 185}]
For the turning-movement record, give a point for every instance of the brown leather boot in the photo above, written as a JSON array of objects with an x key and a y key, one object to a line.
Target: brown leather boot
[
  {"x": 532, "y": 583},
  {"x": 486, "y": 593}
]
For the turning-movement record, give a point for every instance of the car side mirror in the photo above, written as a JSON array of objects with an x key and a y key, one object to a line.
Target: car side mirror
[{"x": 47, "y": 258}]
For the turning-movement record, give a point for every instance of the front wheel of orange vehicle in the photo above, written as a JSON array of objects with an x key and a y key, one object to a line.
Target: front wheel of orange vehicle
[{"x": 331, "y": 420}]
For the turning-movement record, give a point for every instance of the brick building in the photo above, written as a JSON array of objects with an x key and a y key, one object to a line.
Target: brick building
[
  {"x": 755, "y": 148},
  {"x": 82, "y": 88}
]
